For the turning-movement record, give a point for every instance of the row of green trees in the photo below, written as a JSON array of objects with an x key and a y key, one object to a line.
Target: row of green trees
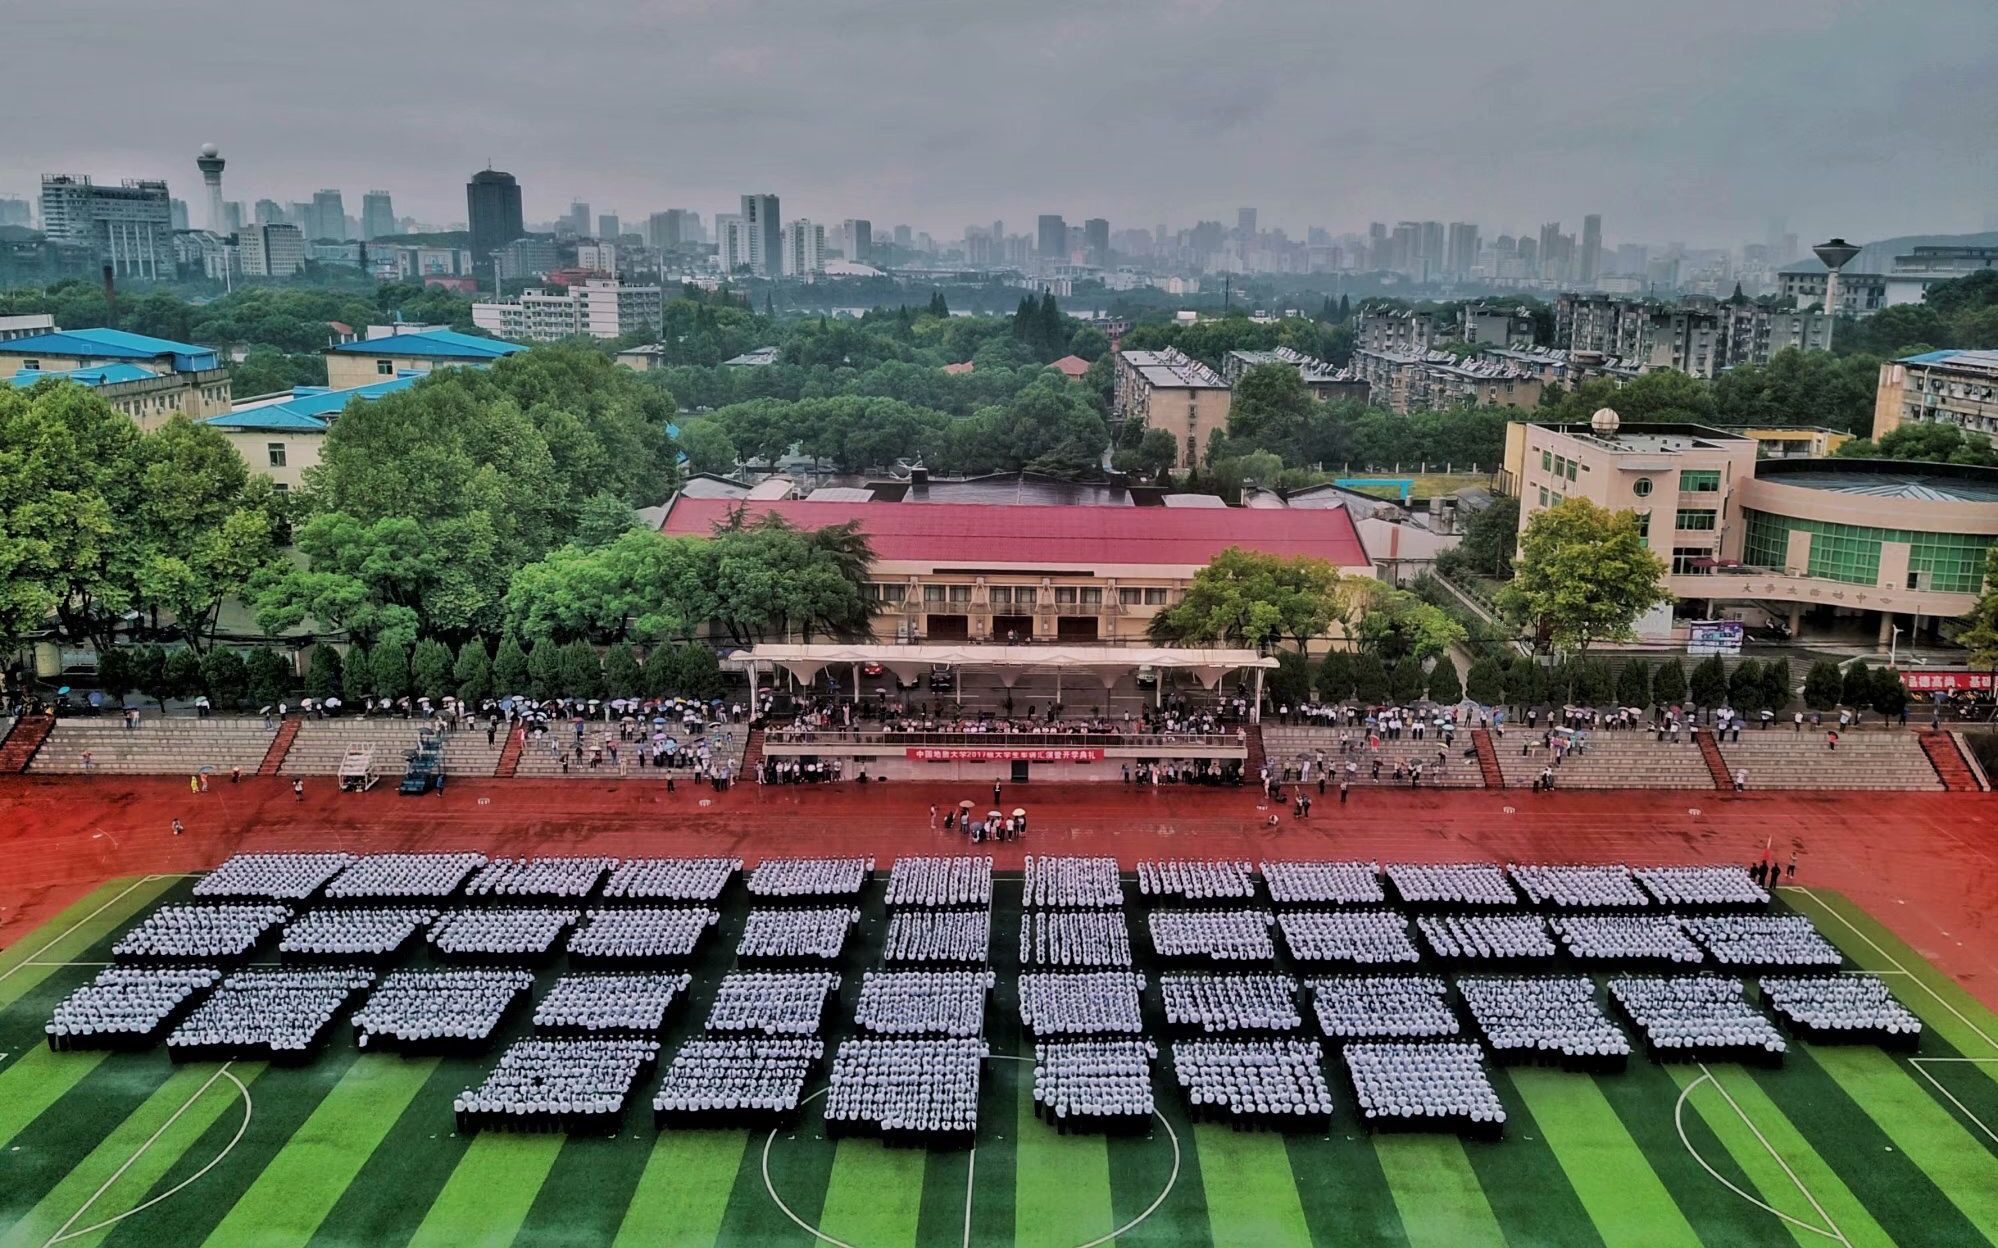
[{"x": 229, "y": 678}]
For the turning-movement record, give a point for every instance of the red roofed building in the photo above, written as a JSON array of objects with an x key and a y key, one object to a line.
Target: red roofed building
[
  {"x": 1071, "y": 366},
  {"x": 956, "y": 370},
  {"x": 952, "y": 571}
]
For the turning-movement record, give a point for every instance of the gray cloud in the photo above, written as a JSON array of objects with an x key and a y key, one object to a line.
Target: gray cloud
[{"x": 1695, "y": 120}]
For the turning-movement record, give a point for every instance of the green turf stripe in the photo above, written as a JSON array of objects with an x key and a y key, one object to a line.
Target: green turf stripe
[
  {"x": 1529, "y": 1194},
  {"x": 584, "y": 1197},
  {"x": 1141, "y": 1171},
  {"x": 307, "y": 1176},
  {"x": 947, "y": 1176},
  {"x": 118, "y": 1173},
  {"x": 875, "y": 1195},
  {"x": 1251, "y": 1194},
  {"x": 1938, "y": 1000},
  {"x": 994, "y": 1186},
  {"x": 1623, "y": 1196},
  {"x": 1785, "y": 1171},
  {"x": 1339, "y": 1182},
  {"x": 1437, "y": 1192},
  {"x": 681, "y": 1197},
  {"x": 391, "y": 1192},
  {"x": 35, "y": 1081},
  {"x": 1061, "y": 1183},
  {"x": 71, "y": 934},
  {"x": 489, "y": 1193},
  {"x": 1961, "y": 1165}
]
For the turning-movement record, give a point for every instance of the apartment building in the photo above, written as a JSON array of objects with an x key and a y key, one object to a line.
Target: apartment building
[
  {"x": 151, "y": 380},
  {"x": 1701, "y": 337},
  {"x": 1171, "y": 390},
  {"x": 1947, "y": 387},
  {"x": 598, "y": 309},
  {"x": 1326, "y": 382}
]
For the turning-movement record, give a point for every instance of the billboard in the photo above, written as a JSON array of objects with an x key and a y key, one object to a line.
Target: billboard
[
  {"x": 1956, "y": 681},
  {"x": 1714, "y": 637},
  {"x": 986, "y": 754}
]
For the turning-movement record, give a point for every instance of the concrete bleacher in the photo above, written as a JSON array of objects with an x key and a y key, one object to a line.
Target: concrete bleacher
[
  {"x": 1869, "y": 758},
  {"x": 540, "y": 761},
  {"x": 1283, "y": 743},
  {"x": 322, "y": 743},
  {"x": 1613, "y": 760},
  {"x": 160, "y": 745}
]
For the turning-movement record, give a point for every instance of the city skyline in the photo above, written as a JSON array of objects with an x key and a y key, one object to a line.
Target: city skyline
[{"x": 1541, "y": 120}]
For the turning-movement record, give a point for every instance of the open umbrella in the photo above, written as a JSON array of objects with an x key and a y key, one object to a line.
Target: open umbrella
[
  {"x": 965, "y": 804},
  {"x": 991, "y": 814},
  {"x": 1020, "y": 812}
]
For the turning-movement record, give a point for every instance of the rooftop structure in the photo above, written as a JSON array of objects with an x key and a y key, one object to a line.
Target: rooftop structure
[
  {"x": 1941, "y": 387},
  {"x": 760, "y": 357},
  {"x": 1172, "y": 391},
  {"x": 1325, "y": 381},
  {"x": 282, "y": 437},
  {"x": 373, "y": 359},
  {"x": 104, "y": 346}
]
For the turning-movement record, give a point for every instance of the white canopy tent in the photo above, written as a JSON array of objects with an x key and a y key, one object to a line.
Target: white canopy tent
[{"x": 1106, "y": 664}]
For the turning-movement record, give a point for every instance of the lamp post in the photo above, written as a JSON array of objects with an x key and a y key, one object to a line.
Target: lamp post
[
  {"x": 1835, "y": 255},
  {"x": 1894, "y": 645}
]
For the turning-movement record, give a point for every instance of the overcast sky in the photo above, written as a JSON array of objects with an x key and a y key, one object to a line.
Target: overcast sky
[{"x": 1693, "y": 120}]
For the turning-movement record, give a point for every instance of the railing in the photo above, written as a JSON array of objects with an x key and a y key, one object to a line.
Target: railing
[{"x": 834, "y": 737}]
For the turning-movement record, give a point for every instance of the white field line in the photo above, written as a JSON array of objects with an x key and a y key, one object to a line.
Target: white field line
[
  {"x": 1679, "y": 1121},
  {"x": 66, "y": 932}
]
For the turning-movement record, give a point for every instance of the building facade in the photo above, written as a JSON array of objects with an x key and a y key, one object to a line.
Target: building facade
[
  {"x": 804, "y": 248},
  {"x": 1944, "y": 387},
  {"x": 492, "y": 207},
  {"x": 597, "y": 309},
  {"x": 151, "y": 380},
  {"x": 1172, "y": 391},
  {"x": 1326, "y": 382},
  {"x": 130, "y": 226},
  {"x": 1701, "y": 337},
  {"x": 372, "y": 360},
  {"x": 271, "y": 251},
  {"x": 765, "y": 236}
]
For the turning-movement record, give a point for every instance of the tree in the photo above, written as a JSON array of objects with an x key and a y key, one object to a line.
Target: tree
[
  {"x": 582, "y": 671},
  {"x": 1370, "y": 679},
  {"x": 1444, "y": 687},
  {"x": 1489, "y": 538},
  {"x": 510, "y": 667},
  {"x": 149, "y": 674},
  {"x": 1485, "y": 682},
  {"x": 1927, "y": 441},
  {"x": 1397, "y": 624},
  {"x": 1584, "y": 574},
  {"x": 1247, "y": 598},
  {"x": 1633, "y": 684},
  {"x": 1708, "y": 686},
  {"x": 270, "y": 676},
  {"x": 473, "y": 671},
  {"x": 1152, "y": 458},
  {"x": 1890, "y": 696},
  {"x": 1777, "y": 691},
  {"x": 226, "y": 676},
  {"x": 1856, "y": 686},
  {"x": 1823, "y": 685},
  {"x": 1406, "y": 680},
  {"x": 430, "y": 667},
  {"x": 183, "y": 673},
  {"x": 1591, "y": 682},
  {"x": 114, "y": 673},
  {"x": 357, "y": 677},
  {"x": 622, "y": 678},
  {"x": 1335, "y": 677},
  {"x": 1270, "y": 407},
  {"x": 1290, "y": 683},
  {"x": 544, "y": 671},
  {"x": 1525, "y": 683},
  {"x": 1746, "y": 689},
  {"x": 388, "y": 663},
  {"x": 1668, "y": 683},
  {"x": 708, "y": 447},
  {"x": 323, "y": 676}
]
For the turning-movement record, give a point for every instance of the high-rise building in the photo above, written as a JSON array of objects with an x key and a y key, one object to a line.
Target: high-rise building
[
  {"x": 492, "y": 208},
  {"x": 377, "y": 216},
  {"x": 329, "y": 216},
  {"x": 1096, "y": 238},
  {"x": 177, "y": 213},
  {"x": 804, "y": 248},
  {"x": 1430, "y": 248},
  {"x": 1591, "y": 266},
  {"x": 578, "y": 220},
  {"x": 15, "y": 211},
  {"x": 766, "y": 235},
  {"x": 130, "y": 225},
  {"x": 1052, "y": 237},
  {"x": 731, "y": 242},
  {"x": 210, "y": 163},
  {"x": 608, "y": 226},
  {"x": 856, "y": 239},
  {"x": 232, "y": 216},
  {"x": 1461, "y": 252},
  {"x": 666, "y": 230},
  {"x": 268, "y": 212},
  {"x": 1245, "y": 223},
  {"x": 271, "y": 250},
  {"x": 905, "y": 238}
]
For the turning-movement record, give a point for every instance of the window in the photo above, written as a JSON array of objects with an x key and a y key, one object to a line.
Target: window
[
  {"x": 960, "y": 595},
  {"x": 1064, "y": 595},
  {"x": 885, "y": 592},
  {"x": 1092, "y": 596},
  {"x": 1641, "y": 487},
  {"x": 1543, "y": 496},
  {"x": 1694, "y": 521},
  {"x": 1131, "y": 597},
  {"x": 1644, "y": 524},
  {"x": 1546, "y": 461},
  {"x": 1692, "y": 561},
  {"x": 385, "y": 368},
  {"x": 276, "y": 451},
  {"x": 999, "y": 595},
  {"x": 1952, "y": 562},
  {"x": 1155, "y": 597},
  {"x": 1572, "y": 466},
  {"x": 1023, "y": 595},
  {"x": 1706, "y": 481},
  {"x": 933, "y": 595}
]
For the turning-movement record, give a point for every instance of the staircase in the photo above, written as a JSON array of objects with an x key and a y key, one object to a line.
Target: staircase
[
  {"x": 752, "y": 754},
  {"x": 1947, "y": 759},
  {"x": 1488, "y": 764},
  {"x": 280, "y": 746},
  {"x": 23, "y": 740},
  {"x": 1252, "y": 764},
  {"x": 1723, "y": 778},
  {"x": 509, "y": 759}
]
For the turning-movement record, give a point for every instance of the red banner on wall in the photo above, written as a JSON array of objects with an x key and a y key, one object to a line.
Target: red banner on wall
[
  {"x": 1020, "y": 754},
  {"x": 1951, "y": 682}
]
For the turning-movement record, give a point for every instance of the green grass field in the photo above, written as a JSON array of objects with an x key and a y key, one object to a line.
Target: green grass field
[{"x": 1844, "y": 1146}]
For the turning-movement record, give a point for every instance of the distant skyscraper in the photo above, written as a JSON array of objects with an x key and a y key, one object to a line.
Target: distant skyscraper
[
  {"x": 1461, "y": 253},
  {"x": 269, "y": 212},
  {"x": 731, "y": 242},
  {"x": 377, "y": 216},
  {"x": 232, "y": 216},
  {"x": 130, "y": 225},
  {"x": 492, "y": 208},
  {"x": 856, "y": 239},
  {"x": 1245, "y": 223},
  {"x": 905, "y": 238},
  {"x": 1430, "y": 248},
  {"x": 663, "y": 229},
  {"x": 579, "y": 218},
  {"x": 1592, "y": 249},
  {"x": 804, "y": 248},
  {"x": 329, "y": 216},
  {"x": 1052, "y": 237},
  {"x": 210, "y": 163},
  {"x": 15, "y": 211},
  {"x": 177, "y": 213},
  {"x": 766, "y": 235},
  {"x": 1096, "y": 239},
  {"x": 608, "y": 226}
]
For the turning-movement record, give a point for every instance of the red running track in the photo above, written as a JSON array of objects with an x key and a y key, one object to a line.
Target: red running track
[{"x": 1925, "y": 864}]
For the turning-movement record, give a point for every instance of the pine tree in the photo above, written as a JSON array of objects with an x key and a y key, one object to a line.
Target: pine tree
[
  {"x": 510, "y": 668},
  {"x": 1822, "y": 685},
  {"x": 1745, "y": 689},
  {"x": 544, "y": 671},
  {"x": 1370, "y": 679},
  {"x": 1444, "y": 687},
  {"x": 430, "y": 670},
  {"x": 474, "y": 672},
  {"x": 1335, "y": 677},
  {"x": 389, "y": 664},
  {"x": 357, "y": 675},
  {"x": 1668, "y": 683},
  {"x": 1406, "y": 681},
  {"x": 1856, "y": 690},
  {"x": 1633, "y": 684},
  {"x": 1485, "y": 682},
  {"x": 582, "y": 671},
  {"x": 1054, "y": 332},
  {"x": 322, "y": 679},
  {"x": 1708, "y": 684},
  {"x": 1345, "y": 309},
  {"x": 1777, "y": 691},
  {"x": 622, "y": 678},
  {"x": 938, "y": 308},
  {"x": 269, "y": 676}
]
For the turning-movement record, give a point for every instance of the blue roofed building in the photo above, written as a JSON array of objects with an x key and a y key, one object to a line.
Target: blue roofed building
[
  {"x": 149, "y": 379},
  {"x": 281, "y": 437},
  {"x": 353, "y": 364},
  {"x": 1938, "y": 387}
]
